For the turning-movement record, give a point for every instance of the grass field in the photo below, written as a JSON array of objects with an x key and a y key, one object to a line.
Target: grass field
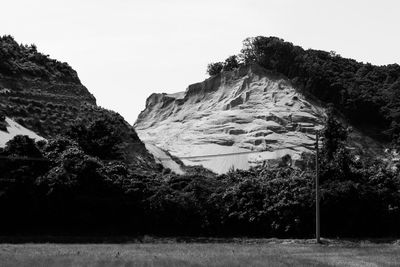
[{"x": 241, "y": 253}]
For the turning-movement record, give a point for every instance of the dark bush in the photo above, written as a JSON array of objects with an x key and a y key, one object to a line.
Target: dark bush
[
  {"x": 231, "y": 63},
  {"x": 100, "y": 138},
  {"x": 214, "y": 68},
  {"x": 16, "y": 59}
]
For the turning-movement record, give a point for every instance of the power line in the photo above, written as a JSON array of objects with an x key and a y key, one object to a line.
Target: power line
[
  {"x": 183, "y": 157},
  {"x": 230, "y": 154}
]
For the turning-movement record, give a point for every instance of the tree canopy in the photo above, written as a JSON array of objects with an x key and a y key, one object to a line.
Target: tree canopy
[{"x": 18, "y": 59}]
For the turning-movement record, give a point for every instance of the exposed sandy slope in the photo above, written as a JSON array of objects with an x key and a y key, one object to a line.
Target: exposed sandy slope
[
  {"x": 241, "y": 111},
  {"x": 163, "y": 158},
  {"x": 13, "y": 129}
]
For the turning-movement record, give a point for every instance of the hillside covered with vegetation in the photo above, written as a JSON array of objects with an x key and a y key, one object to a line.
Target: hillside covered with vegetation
[
  {"x": 46, "y": 96},
  {"x": 18, "y": 60},
  {"x": 40, "y": 93}
]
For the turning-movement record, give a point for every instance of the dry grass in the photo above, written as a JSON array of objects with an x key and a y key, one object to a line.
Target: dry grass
[{"x": 247, "y": 253}]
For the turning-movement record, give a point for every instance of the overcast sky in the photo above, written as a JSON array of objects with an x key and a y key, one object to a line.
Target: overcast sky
[{"x": 124, "y": 50}]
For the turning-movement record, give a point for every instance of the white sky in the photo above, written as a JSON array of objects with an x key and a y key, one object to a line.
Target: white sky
[{"x": 124, "y": 50}]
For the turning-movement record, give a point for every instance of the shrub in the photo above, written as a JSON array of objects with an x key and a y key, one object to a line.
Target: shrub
[
  {"x": 231, "y": 63},
  {"x": 100, "y": 138},
  {"x": 214, "y": 68}
]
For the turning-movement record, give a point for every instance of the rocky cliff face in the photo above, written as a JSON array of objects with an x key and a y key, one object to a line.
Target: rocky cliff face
[{"x": 237, "y": 119}]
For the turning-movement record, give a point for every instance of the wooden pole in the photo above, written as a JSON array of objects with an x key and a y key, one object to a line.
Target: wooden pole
[{"x": 317, "y": 193}]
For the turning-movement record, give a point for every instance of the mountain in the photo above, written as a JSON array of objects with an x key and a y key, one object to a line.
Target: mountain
[
  {"x": 245, "y": 117},
  {"x": 46, "y": 96}
]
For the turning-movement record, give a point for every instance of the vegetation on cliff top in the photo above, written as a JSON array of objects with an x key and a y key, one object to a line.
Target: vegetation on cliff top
[
  {"x": 367, "y": 95},
  {"x": 19, "y": 60},
  {"x": 46, "y": 96}
]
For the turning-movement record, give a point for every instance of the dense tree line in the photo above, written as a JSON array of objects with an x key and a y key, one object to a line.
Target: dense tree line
[
  {"x": 72, "y": 189},
  {"x": 368, "y": 95}
]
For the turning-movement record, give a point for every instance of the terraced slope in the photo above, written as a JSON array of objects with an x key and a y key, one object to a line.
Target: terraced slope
[{"x": 46, "y": 97}]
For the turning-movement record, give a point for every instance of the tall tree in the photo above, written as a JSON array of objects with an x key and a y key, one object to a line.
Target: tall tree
[{"x": 334, "y": 135}]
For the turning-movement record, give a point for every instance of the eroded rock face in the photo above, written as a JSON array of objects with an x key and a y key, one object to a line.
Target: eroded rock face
[{"x": 248, "y": 111}]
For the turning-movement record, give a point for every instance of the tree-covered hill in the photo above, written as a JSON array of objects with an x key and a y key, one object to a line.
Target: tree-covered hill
[{"x": 47, "y": 97}]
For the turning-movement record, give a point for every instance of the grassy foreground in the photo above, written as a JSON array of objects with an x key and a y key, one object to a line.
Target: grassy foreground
[{"x": 242, "y": 253}]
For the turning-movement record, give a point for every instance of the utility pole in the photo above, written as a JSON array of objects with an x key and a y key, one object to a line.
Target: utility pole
[{"x": 317, "y": 215}]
